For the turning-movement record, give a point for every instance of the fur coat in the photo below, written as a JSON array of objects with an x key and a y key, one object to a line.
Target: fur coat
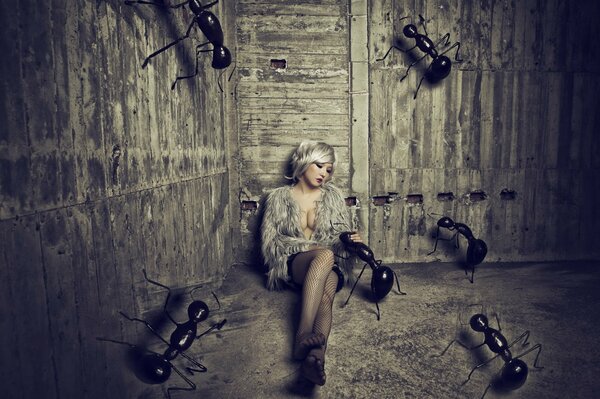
[{"x": 282, "y": 236}]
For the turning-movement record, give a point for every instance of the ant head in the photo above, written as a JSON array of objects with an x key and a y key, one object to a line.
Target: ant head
[
  {"x": 479, "y": 322},
  {"x": 195, "y": 6},
  {"x": 445, "y": 222},
  {"x": 198, "y": 311},
  {"x": 221, "y": 57},
  {"x": 410, "y": 31},
  {"x": 514, "y": 374}
]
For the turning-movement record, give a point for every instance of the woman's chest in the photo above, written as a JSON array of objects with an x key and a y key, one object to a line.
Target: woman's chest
[{"x": 307, "y": 212}]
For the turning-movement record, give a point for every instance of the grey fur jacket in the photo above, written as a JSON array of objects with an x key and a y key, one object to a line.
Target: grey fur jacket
[{"x": 282, "y": 236}]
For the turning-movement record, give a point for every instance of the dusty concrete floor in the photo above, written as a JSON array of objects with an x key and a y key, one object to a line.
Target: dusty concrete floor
[{"x": 392, "y": 358}]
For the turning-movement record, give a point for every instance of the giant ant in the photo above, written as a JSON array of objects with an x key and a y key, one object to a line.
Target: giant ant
[
  {"x": 476, "y": 250},
  {"x": 209, "y": 25},
  {"x": 382, "y": 279},
  {"x": 514, "y": 372},
  {"x": 156, "y": 367},
  {"x": 440, "y": 65}
]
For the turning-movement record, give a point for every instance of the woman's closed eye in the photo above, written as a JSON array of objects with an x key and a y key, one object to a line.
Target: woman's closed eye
[{"x": 320, "y": 166}]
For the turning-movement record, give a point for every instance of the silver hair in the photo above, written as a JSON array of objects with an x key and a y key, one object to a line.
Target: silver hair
[{"x": 307, "y": 153}]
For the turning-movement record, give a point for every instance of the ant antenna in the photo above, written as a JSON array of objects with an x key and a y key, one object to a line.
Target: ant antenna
[
  {"x": 228, "y": 79},
  {"x": 434, "y": 214},
  {"x": 200, "y": 286}
]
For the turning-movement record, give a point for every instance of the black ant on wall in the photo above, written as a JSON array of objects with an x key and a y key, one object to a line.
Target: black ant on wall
[
  {"x": 156, "y": 367},
  {"x": 209, "y": 25},
  {"x": 514, "y": 373},
  {"x": 440, "y": 66}
]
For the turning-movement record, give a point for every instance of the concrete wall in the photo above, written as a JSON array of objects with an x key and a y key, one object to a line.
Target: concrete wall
[
  {"x": 505, "y": 143},
  {"x": 104, "y": 171},
  {"x": 293, "y": 85},
  {"x": 515, "y": 123}
]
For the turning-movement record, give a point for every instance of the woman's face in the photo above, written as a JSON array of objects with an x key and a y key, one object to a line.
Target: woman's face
[{"x": 317, "y": 174}]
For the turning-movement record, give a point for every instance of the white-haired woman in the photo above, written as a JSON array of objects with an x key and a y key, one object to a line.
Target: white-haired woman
[{"x": 300, "y": 238}]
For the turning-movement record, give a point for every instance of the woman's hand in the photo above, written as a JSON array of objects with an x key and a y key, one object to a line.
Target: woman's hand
[{"x": 355, "y": 237}]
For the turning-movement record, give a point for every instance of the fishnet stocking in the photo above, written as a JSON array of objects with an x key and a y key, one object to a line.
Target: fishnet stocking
[
  {"x": 313, "y": 295},
  {"x": 324, "y": 316}
]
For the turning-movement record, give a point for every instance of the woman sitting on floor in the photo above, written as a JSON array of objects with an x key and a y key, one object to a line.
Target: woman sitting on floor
[{"x": 300, "y": 230}]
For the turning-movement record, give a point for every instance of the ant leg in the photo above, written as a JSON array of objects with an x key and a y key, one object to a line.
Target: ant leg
[
  {"x": 157, "y": 52},
  {"x": 131, "y": 2},
  {"x": 219, "y": 82},
  {"x": 422, "y": 21},
  {"x": 525, "y": 342},
  {"x": 190, "y": 383},
  {"x": 201, "y": 368},
  {"x": 218, "y": 326},
  {"x": 498, "y": 322},
  {"x": 412, "y": 65},
  {"x": 437, "y": 238},
  {"x": 478, "y": 366},
  {"x": 152, "y": 3},
  {"x": 196, "y": 68},
  {"x": 228, "y": 79},
  {"x": 446, "y": 348},
  {"x": 445, "y": 39},
  {"x": 486, "y": 389},
  {"x": 421, "y": 81},
  {"x": 147, "y": 325},
  {"x": 209, "y": 5},
  {"x": 166, "y": 300},
  {"x": 132, "y": 346},
  {"x": 470, "y": 348},
  {"x": 356, "y": 282},
  {"x": 539, "y": 348},
  {"x": 398, "y": 284},
  {"x": 397, "y": 48},
  {"x": 457, "y": 44},
  {"x": 472, "y": 273}
]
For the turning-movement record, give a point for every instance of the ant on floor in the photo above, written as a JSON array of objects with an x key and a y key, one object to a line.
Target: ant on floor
[
  {"x": 382, "y": 279},
  {"x": 156, "y": 367},
  {"x": 476, "y": 250},
  {"x": 514, "y": 373}
]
